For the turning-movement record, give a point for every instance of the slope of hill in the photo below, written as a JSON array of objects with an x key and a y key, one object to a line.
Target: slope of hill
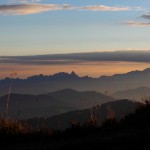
[
  {"x": 81, "y": 100},
  {"x": 138, "y": 94},
  {"x": 28, "y": 106},
  {"x": 40, "y": 84},
  {"x": 118, "y": 109},
  {"x": 132, "y": 132}
]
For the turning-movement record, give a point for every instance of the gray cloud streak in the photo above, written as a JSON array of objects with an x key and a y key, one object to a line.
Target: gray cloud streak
[
  {"x": 78, "y": 58},
  {"x": 146, "y": 16}
]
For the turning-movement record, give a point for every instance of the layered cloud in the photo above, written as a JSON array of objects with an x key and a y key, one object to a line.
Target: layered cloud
[
  {"x": 78, "y": 58},
  {"x": 25, "y": 7}
]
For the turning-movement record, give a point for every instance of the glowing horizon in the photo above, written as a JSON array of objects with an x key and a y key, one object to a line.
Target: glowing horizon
[{"x": 96, "y": 69}]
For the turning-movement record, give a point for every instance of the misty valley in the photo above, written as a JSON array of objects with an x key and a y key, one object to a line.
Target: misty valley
[
  {"x": 74, "y": 74},
  {"x": 64, "y": 105}
]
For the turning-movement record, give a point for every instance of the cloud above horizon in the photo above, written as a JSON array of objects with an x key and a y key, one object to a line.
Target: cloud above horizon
[
  {"x": 26, "y": 7},
  {"x": 92, "y": 64},
  {"x": 79, "y": 58}
]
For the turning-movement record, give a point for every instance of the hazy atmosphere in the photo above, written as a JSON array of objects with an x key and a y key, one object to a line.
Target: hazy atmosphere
[
  {"x": 75, "y": 74},
  {"x": 92, "y": 64}
]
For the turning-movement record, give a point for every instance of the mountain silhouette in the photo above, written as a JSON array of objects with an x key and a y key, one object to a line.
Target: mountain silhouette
[
  {"x": 81, "y": 100},
  {"x": 120, "y": 109},
  {"x": 28, "y": 106},
  {"x": 138, "y": 94},
  {"x": 41, "y": 84}
]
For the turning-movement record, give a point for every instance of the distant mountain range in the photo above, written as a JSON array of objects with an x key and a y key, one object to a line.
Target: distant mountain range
[
  {"x": 40, "y": 84},
  {"x": 23, "y": 106},
  {"x": 138, "y": 94},
  {"x": 120, "y": 109}
]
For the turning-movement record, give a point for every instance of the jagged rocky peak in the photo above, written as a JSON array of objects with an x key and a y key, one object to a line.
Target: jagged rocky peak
[
  {"x": 66, "y": 75},
  {"x": 74, "y": 74}
]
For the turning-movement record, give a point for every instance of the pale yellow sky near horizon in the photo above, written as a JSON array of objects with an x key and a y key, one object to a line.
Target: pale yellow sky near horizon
[{"x": 92, "y": 69}]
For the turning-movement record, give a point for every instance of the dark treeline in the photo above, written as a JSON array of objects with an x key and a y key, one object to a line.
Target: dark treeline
[{"x": 131, "y": 132}]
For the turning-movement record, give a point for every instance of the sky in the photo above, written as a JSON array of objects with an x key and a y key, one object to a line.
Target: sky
[
  {"x": 33, "y": 27},
  {"x": 40, "y": 27}
]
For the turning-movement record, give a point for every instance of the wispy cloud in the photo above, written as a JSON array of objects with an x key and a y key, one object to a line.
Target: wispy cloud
[
  {"x": 24, "y": 7},
  {"x": 33, "y": 8},
  {"x": 108, "y": 8},
  {"x": 137, "y": 24}
]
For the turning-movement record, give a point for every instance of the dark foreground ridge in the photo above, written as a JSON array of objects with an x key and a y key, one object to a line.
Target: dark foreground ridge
[{"x": 132, "y": 132}]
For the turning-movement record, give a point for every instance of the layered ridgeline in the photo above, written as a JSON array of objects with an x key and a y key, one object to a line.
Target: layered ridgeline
[
  {"x": 97, "y": 114},
  {"x": 131, "y": 132},
  {"x": 140, "y": 94},
  {"x": 23, "y": 106},
  {"x": 40, "y": 84}
]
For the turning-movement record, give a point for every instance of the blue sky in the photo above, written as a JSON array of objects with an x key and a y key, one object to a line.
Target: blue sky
[{"x": 35, "y": 27}]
